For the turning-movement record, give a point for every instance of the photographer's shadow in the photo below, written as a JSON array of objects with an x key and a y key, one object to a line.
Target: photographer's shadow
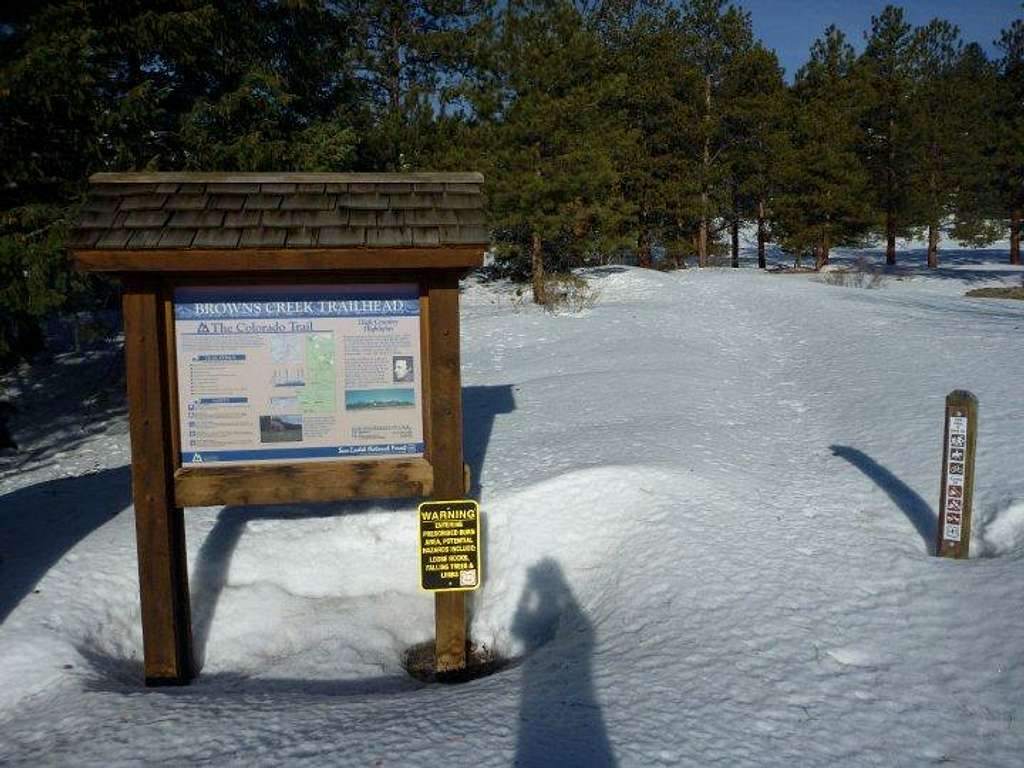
[{"x": 560, "y": 720}]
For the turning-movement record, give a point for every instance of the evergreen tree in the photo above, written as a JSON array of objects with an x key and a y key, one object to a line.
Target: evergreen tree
[
  {"x": 757, "y": 119},
  {"x": 824, "y": 202},
  {"x": 646, "y": 45},
  {"x": 168, "y": 84},
  {"x": 555, "y": 190},
  {"x": 411, "y": 57},
  {"x": 939, "y": 120},
  {"x": 887, "y": 65},
  {"x": 976, "y": 211},
  {"x": 1009, "y": 145},
  {"x": 716, "y": 34}
]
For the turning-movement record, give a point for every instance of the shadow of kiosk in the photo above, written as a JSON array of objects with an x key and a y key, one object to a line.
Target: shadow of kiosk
[
  {"x": 481, "y": 405},
  {"x": 163, "y": 233}
]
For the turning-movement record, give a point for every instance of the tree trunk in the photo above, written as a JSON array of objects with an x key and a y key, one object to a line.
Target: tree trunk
[
  {"x": 702, "y": 234},
  {"x": 821, "y": 251},
  {"x": 762, "y": 235},
  {"x": 540, "y": 294},
  {"x": 702, "y": 238},
  {"x": 890, "y": 212},
  {"x": 643, "y": 248},
  {"x": 890, "y": 238},
  {"x": 933, "y": 244},
  {"x": 735, "y": 224},
  {"x": 1015, "y": 221}
]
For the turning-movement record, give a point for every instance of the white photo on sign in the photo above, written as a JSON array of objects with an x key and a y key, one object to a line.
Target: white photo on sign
[
  {"x": 958, "y": 441},
  {"x": 955, "y": 491},
  {"x": 952, "y": 533},
  {"x": 953, "y": 505},
  {"x": 956, "y": 468},
  {"x": 956, "y": 454},
  {"x": 402, "y": 370}
]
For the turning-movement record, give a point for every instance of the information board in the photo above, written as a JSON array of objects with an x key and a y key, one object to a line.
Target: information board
[
  {"x": 298, "y": 373},
  {"x": 449, "y": 545}
]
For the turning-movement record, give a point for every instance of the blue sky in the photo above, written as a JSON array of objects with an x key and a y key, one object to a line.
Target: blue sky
[{"x": 790, "y": 26}]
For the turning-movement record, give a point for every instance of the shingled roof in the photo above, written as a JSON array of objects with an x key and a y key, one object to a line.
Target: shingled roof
[{"x": 217, "y": 211}]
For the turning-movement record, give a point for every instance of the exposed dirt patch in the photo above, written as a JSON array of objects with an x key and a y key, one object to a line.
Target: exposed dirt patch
[
  {"x": 997, "y": 293},
  {"x": 481, "y": 661}
]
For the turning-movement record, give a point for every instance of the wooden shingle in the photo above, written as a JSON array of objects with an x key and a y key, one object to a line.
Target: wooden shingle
[
  {"x": 176, "y": 238},
  {"x": 301, "y": 237},
  {"x": 225, "y": 211},
  {"x": 342, "y": 236},
  {"x": 262, "y": 202},
  {"x": 217, "y": 237},
  {"x": 146, "y": 219},
  {"x": 227, "y": 202},
  {"x": 242, "y": 219},
  {"x": 262, "y": 237},
  {"x": 186, "y": 202},
  {"x": 142, "y": 202},
  {"x": 196, "y": 219},
  {"x": 144, "y": 238},
  {"x": 389, "y": 237},
  {"x": 307, "y": 201}
]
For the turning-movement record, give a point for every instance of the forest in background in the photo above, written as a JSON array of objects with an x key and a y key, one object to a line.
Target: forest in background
[{"x": 630, "y": 129}]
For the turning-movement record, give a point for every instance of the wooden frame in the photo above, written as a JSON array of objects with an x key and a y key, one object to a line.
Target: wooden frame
[
  {"x": 269, "y": 260},
  {"x": 162, "y": 487},
  {"x": 433, "y": 249}
]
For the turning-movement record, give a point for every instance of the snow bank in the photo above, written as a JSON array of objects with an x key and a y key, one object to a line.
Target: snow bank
[{"x": 709, "y": 510}]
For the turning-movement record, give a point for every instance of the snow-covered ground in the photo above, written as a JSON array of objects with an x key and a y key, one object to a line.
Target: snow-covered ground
[{"x": 709, "y": 502}]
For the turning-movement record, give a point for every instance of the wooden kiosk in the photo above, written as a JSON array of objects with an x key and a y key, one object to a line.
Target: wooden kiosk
[{"x": 396, "y": 242}]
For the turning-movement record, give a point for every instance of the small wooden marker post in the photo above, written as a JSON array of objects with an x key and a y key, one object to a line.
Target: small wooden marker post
[{"x": 960, "y": 435}]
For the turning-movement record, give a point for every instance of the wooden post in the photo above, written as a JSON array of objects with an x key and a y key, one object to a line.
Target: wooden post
[
  {"x": 446, "y": 452},
  {"x": 159, "y": 525},
  {"x": 960, "y": 436}
]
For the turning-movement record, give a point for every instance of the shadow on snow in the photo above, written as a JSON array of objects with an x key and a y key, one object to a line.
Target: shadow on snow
[
  {"x": 40, "y": 523},
  {"x": 917, "y": 510}
]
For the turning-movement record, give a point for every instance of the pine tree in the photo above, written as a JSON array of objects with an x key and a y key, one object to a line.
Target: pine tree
[
  {"x": 646, "y": 45},
  {"x": 887, "y": 65},
  {"x": 716, "y": 34},
  {"x": 218, "y": 85},
  {"x": 757, "y": 119},
  {"x": 409, "y": 59},
  {"x": 825, "y": 197},
  {"x": 1009, "y": 149},
  {"x": 554, "y": 170},
  {"x": 938, "y": 162},
  {"x": 976, "y": 211}
]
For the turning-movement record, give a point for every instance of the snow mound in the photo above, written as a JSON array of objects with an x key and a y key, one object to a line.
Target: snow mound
[
  {"x": 1002, "y": 532},
  {"x": 539, "y": 546}
]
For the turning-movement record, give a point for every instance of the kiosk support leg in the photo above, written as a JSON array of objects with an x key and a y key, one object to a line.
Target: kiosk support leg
[
  {"x": 159, "y": 525},
  {"x": 446, "y": 454}
]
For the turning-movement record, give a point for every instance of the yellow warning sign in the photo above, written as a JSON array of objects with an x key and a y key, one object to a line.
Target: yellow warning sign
[{"x": 449, "y": 545}]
